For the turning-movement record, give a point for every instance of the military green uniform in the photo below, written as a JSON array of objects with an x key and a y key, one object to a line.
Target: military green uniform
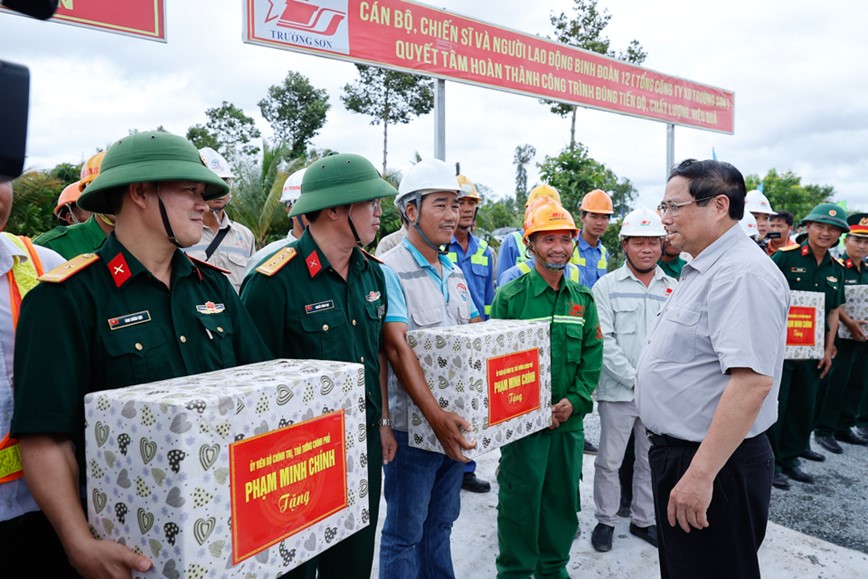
[
  {"x": 800, "y": 382},
  {"x": 849, "y": 372},
  {"x": 112, "y": 324},
  {"x": 539, "y": 474},
  {"x": 72, "y": 240},
  {"x": 307, "y": 310},
  {"x": 672, "y": 268}
]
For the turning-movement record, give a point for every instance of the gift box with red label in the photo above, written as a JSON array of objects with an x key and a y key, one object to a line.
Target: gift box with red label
[
  {"x": 805, "y": 326},
  {"x": 495, "y": 374},
  {"x": 245, "y": 472}
]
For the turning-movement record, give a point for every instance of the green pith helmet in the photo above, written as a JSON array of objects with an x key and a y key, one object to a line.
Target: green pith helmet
[
  {"x": 830, "y": 214},
  {"x": 147, "y": 157},
  {"x": 339, "y": 180}
]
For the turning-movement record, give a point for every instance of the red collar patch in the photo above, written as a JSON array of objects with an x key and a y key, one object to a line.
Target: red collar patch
[
  {"x": 313, "y": 263},
  {"x": 119, "y": 270},
  {"x": 849, "y": 263},
  {"x": 805, "y": 250}
]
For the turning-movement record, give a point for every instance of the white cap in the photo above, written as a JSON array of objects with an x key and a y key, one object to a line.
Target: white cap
[
  {"x": 748, "y": 225},
  {"x": 642, "y": 222},
  {"x": 756, "y": 202},
  {"x": 215, "y": 161},
  {"x": 292, "y": 187}
]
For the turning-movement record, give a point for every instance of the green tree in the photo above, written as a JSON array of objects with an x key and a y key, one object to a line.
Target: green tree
[
  {"x": 228, "y": 130},
  {"x": 498, "y": 213},
  {"x": 296, "y": 112},
  {"x": 585, "y": 30},
  {"x": 574, "y": 173},
  {"x": 786, "y": 192},
  {"x": 67, "y": 173},
  {"x": 524, "y": 154},
  {"x": 388, "y": 97},
  {"x": 257, "y": 189},
  {"x": 35, "y": 194}
]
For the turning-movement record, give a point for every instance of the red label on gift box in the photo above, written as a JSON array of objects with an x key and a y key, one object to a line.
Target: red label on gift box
[
  {"x": 800, "y": 326},
  {"x": 285, "y": 481},
  {"x": 513, "y": 385}
]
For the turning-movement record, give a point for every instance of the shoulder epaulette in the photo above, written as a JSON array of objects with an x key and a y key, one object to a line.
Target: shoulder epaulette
[
  {"x": 206, "y": 264},
  {"x": 790, "y": 247},
  {"x": 70, "y": 268},
  {"x": 276, "y": 262},
  {"x": 372, "y": 257},
  {"x": 841, "y": 261}
]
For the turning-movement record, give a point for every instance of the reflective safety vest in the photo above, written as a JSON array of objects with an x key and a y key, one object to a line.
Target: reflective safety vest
[
  {"x": 582, "y": 262},
  {"x": 481, "y": 259},
  {"x": 571, "y": 272},
  {"x": 22, "y": 278}
]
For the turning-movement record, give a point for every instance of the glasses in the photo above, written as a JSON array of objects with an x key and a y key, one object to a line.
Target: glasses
[{"x": 673, "y": 207}]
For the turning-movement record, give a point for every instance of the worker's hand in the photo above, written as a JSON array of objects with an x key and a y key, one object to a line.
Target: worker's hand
[
  {"x": 826, "y": 363},
  {"x": 561, "y": 413},
  {"x": 96, "y": 559},
  {"x": 857, "y": 328},
  {"x": 448, "y": 427},
  {"x": 388, "y": 444},
  {"x": 688, "y": 502}
]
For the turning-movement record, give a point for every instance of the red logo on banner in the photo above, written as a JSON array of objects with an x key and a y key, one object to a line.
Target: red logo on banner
[
  {"x": 284, "y": 481},
  {"x": 513, "y": 385},
  {"x": 800, "y": 326},
  {"x": 309, "y": 17}
]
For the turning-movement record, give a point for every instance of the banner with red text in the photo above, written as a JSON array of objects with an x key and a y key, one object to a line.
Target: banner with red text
[
  {"x": 139, "y": 18},
  {"x": 416, "y": 38}
]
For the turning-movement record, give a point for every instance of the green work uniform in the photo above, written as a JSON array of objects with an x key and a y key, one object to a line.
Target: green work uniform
[
  {"x": 72, "y": 240},
  {"x": 849, "y": 373},
  {"x": 672, "y": 268},
  {"x": 113, "y": 324},
  {"x": 800, "y": 381},
  {"x": 539, "y": 474},
  {"x": 306, "y": 310}
]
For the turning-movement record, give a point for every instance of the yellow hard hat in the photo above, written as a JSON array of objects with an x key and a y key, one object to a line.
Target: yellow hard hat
[
  {"x": 549, "y": 215},
  {"x": 542, "y": 191},
  {"x": 597, "y": 201},
  {"x": 468, "y": 189},
  {"x": 90, "y": 170}
]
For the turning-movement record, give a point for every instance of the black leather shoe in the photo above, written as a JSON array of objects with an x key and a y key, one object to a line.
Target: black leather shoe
[
  {"x": 809, "y": 454},
  {"x": 850, "y": 437},
  {"x": 647, "y": 534},
  {"x": 862, "y": 431},
  {"x": 601, "y": 537},
  {"x": 590, "y": 448},
  {"x": 780, "y": 482},
  {"x": 829, "y": 443},
  {"x": 798, "y": 474},
  {"x": 474, "y": 484}
]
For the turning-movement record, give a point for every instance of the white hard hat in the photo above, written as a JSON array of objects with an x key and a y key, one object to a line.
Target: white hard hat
[
  {"x": 215, "y": 161},
  {"x": 426, "y": 177},
  {"x": 292, "y": 187},
  {"x": 748, "y": 225},
  {"x": 642, "y": 222},
  {"x": 756, "y": 202}
]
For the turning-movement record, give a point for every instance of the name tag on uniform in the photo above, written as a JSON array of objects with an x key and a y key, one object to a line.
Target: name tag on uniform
[
  {"x": 129, "y": 320},
  {"x": 319, "y": 306},
  {"x": 798, "y": 270}
]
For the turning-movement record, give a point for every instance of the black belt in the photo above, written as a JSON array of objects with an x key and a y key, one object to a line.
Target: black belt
[{"x": 666, "y": 440}]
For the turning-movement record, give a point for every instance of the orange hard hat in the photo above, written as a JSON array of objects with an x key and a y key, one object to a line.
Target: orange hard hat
[
  {"x": 542, "y": 191},
  {"x": 69, "y": 194},
  {"x": 90, "y": 170},
  {"x": 549, "y": 215},
  {"x": 597, "y": 201},
  {"x": 468, "y": 189}
]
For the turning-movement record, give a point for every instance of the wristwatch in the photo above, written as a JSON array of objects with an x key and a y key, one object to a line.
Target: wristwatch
[{"x": 385, "y": 422}]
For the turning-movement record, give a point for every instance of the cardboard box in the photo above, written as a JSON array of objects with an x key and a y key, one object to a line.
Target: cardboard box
[
  {"x": 495, "y": 374},
  {"x": 806, "y": 323},
  {"x": 856, "y": 307},
  {"x": 245, "y": 472}
]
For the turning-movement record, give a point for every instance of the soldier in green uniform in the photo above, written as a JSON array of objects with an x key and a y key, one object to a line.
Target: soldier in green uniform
[
  {"x": 323, "y": 298},
  {"x": 808, "y": 267},
  {"x": 539, "y": 474},
  {"x": 849, "y": 374},
  {"x": 136, "y": 311},
  {"x": 72, "y": 240}
]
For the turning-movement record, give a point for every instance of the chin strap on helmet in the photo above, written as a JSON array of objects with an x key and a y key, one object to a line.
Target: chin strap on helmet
[
  {"x": 165, "y": 217},
  {"x": 438, "y": 248}
]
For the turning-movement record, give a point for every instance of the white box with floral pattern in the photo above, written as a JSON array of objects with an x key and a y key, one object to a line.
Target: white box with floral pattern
[
  {"x": 244, "y": 472},
  {"x": 495, "y": 374}
]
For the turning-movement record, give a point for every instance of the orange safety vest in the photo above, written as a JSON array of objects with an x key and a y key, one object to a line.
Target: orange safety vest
[{"x": 22, "y": 278}]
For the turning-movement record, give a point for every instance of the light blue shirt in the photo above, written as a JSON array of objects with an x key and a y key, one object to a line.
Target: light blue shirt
[
  {"x": 397, "y": 307},
  {"x": 591, "y": 271}
]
